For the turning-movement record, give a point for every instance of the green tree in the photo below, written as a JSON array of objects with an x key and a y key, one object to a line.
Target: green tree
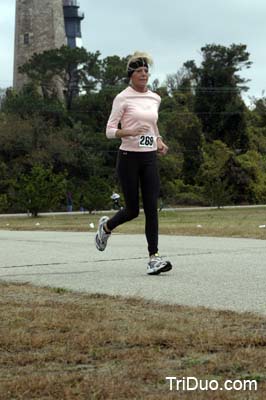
[
  {"x": 218, "y": 87},
  {"x": 97, "y": 195},
  {"x": 26, "y": 142},
  {"x": 212, "y": 175},
  {"x": 4, "y": 185},
  {"x": 29, "y": 103},
  {"x": 40, "y": 190},
  {"x": 113, "y": 71},
  {"x": 60, "y": 72},
  {"x": 246, "y": 175},
  {"x": 182, "y": 130},
  {"x": 259, "y": 110},
  {"x": 256, "y": 119},
  {"x": 94, "y": 107},
  {"x": 2, "y": 96}
]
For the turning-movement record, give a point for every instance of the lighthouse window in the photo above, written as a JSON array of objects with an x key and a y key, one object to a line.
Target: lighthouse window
[{"x": 26, "y": 38}]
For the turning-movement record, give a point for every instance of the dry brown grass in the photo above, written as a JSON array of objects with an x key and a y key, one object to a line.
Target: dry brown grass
[{"x": 62, "y": 345}]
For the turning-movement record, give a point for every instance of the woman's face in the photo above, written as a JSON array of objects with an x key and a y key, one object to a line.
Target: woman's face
[{"x": 139, "y": 78}]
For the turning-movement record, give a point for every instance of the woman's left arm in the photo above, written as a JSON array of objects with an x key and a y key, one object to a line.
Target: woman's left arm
[{"x": 162, "y": 148}]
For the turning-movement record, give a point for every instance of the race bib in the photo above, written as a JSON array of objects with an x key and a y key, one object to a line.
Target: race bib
[{"x": 146, "y": 141}]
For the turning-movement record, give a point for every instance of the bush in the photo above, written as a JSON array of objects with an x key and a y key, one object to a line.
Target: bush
[
  {"x": 40, "y": 190},
  {"x": 3, "y": 203},
  {"x": 189, "y": 199},
  {"x": 98, "y": 194},
  {"x": 178, "y": 193}
]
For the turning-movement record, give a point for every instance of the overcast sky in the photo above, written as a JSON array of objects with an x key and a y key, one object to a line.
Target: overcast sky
[{"x": 172, "y": 31}]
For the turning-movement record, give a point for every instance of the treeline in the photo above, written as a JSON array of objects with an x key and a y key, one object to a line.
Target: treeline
[{"x": 52, "y": 133}]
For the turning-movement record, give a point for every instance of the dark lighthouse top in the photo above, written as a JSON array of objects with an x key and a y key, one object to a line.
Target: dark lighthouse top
[{"x": 73, "y": 18}]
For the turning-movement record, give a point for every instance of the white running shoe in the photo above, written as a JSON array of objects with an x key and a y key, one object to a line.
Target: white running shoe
[
  {"x": 156, "y": 265},
  {"x": 101, "y": 236}
]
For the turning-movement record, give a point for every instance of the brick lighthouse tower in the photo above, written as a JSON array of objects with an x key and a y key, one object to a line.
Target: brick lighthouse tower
[{"x": 43, "y": 25}]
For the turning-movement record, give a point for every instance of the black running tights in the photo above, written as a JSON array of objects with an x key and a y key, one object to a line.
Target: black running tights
[{"x": 139, "y": 169}]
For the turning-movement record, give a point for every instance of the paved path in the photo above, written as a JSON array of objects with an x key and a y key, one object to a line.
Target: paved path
[{"x": 220, "y": 273}]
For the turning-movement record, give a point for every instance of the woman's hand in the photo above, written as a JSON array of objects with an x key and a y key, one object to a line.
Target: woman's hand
[
  {"x": 141, "y": 130},
  {"x": 162, "y": 148}
]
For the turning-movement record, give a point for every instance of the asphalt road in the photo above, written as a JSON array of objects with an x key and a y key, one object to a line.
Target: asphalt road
[{"x": 220, "y": 273}]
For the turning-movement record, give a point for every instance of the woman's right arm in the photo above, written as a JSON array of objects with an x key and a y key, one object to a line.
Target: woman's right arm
[{"x": 117, "y": 112}]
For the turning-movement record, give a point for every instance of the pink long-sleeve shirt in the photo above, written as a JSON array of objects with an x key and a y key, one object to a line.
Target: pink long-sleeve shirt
[{"x": 134, "y": 109}]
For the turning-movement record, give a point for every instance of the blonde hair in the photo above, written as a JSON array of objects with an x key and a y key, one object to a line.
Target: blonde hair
[{"x": 140, "y": 54}]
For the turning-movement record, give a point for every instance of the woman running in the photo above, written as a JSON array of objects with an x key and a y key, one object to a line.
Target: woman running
[{"x": 136, "y": 109}]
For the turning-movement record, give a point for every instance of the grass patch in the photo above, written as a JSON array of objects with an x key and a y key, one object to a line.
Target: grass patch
[
  {"x": 229, "y": 222},
  {"x": 57, "y": 344}
]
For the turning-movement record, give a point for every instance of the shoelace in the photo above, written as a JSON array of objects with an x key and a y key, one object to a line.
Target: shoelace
[{"x": 156, "y": 257}]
